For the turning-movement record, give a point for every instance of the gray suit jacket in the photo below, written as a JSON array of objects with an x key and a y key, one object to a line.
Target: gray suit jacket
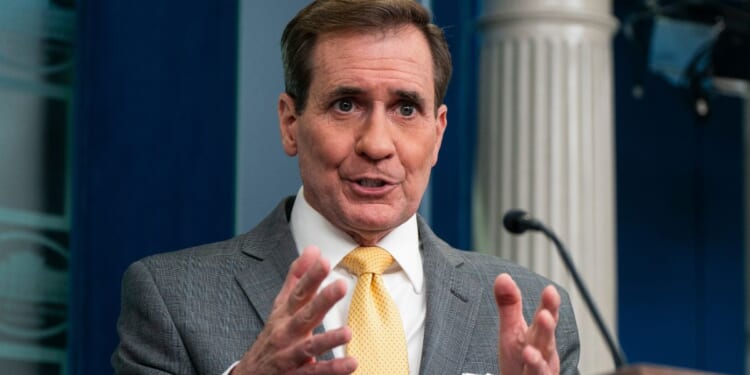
[{"x": 196, "y": 311}]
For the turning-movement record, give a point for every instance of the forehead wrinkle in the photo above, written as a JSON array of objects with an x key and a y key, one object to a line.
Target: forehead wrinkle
[
  {"x": 365, "y": 78},
  {"x": 343, "y": 60}
]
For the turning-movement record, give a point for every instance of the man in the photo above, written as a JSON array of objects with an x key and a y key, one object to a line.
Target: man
[{"x": 363, "y": 114}]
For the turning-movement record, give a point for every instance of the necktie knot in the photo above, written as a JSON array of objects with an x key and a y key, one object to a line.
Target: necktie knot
[{"x": 369, "y": 259}]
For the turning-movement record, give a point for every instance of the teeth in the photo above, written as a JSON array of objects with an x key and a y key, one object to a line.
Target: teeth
[{"x": 370, "y": 183}]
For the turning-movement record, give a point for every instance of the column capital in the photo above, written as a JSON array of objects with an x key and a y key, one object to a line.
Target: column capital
[{"x": 596, "y": 13}]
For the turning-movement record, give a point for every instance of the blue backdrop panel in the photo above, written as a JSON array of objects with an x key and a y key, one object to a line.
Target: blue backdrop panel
[
  {"x": 451, "y": 184},
  {"x": 680, "y": 224},
  {"x": 722, "y": 172},
  {"x": 154, "y": 148}
]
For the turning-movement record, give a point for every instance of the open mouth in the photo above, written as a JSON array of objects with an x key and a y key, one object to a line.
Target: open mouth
[{"x": 370, "y": 183}]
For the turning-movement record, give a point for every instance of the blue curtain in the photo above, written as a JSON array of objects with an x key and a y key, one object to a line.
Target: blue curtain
[{"x": 153, "y": 148}]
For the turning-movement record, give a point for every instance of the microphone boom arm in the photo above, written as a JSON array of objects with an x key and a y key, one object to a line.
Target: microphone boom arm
[{"x": 617, "y": 354}]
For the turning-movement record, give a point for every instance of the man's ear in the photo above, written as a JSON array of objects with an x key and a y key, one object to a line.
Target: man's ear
[
  {"x": 441, "y": 123},
  {"x": 288, "y": 124}
]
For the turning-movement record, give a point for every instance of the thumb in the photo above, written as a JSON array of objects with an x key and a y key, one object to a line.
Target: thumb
[
  {"x": 509, "y": 304},
  {"x": 513, "y": 327}
]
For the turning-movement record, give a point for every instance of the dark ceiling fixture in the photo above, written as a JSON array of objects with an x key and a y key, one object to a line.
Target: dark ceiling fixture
[{"x": 718, "y": 59}]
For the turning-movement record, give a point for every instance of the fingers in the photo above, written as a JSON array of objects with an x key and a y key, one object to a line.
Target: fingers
[
  {"x": 541, "y": 334},
  {"x": 540, "y": 354},
  {"x": 296, "y": 271},
  {"x": 536, "y": 364},
  {"x": 310, "y": 315},
  {"x": 305, "y": 351},
  {"x": 304, "y": 306},
  {"x": 287, "y": 343},
  {"x": 308, "y": 284},
  {"x": 551, "y": 301},
  {"x": 521, "y": 348},
  {"x": 339, "y": 366}
]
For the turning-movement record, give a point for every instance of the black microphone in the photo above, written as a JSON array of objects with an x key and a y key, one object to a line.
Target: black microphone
[{"x": 517, "y": 222}]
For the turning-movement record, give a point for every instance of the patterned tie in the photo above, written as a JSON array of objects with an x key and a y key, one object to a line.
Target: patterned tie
[{"x": 378, "y": 341}]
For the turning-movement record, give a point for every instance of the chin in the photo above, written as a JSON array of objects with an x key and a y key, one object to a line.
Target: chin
[{"x": 377, "y": 223}]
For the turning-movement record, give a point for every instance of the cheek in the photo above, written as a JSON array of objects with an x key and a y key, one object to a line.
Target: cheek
[
  {"x": 324, "y": 149},
  {"x": 418, "y": 161}
]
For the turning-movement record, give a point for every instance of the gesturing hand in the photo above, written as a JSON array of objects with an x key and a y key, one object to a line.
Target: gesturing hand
[
  {"x": 526, "y": 349},
  {"x": 287, "y": 344}
]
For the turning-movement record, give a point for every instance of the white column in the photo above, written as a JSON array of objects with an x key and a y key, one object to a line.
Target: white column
[{"x": 546, "y": 146}]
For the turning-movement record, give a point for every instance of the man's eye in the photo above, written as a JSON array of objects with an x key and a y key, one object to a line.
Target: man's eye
[
  {"x": 407, "y": 110},
  {"x": 344, "y": 105}
]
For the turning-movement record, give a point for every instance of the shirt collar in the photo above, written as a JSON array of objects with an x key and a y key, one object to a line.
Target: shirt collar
[{"x": 309, "y": 227}]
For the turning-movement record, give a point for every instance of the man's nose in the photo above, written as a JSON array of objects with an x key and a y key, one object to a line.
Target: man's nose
[{"x": 375, "y": 139}]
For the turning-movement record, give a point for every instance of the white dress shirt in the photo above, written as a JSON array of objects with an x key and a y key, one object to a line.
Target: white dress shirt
[{"x": 404, "y": 279}]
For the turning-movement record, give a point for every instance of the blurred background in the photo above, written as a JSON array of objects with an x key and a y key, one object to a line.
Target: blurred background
[{"x": 131, "y": 128}]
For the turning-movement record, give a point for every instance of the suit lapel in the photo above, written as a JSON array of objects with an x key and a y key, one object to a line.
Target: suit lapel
[
  {"x": 453, "y": 294},
  {"x": 272, "y": 250},
  {"x": 261, "y": 281}
]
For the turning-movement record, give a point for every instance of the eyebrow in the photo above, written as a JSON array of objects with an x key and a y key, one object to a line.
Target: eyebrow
[
  {"x": 411, "y": 96},
  {"x": 344, "y": 91}
]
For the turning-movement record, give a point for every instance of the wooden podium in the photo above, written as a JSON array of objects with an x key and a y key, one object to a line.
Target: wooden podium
[{"x": 648, "y": 369}]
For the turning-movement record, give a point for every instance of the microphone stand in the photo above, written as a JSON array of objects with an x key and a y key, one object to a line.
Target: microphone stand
[
  {"x": 517, "y": 222},
  {"x": 617, "y": 354}
]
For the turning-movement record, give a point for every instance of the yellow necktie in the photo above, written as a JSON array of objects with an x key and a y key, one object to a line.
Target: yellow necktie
[{"x": 378, "y": 341}]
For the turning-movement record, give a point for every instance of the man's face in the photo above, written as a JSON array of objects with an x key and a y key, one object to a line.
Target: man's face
[{"x": 369, "y": 134}]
